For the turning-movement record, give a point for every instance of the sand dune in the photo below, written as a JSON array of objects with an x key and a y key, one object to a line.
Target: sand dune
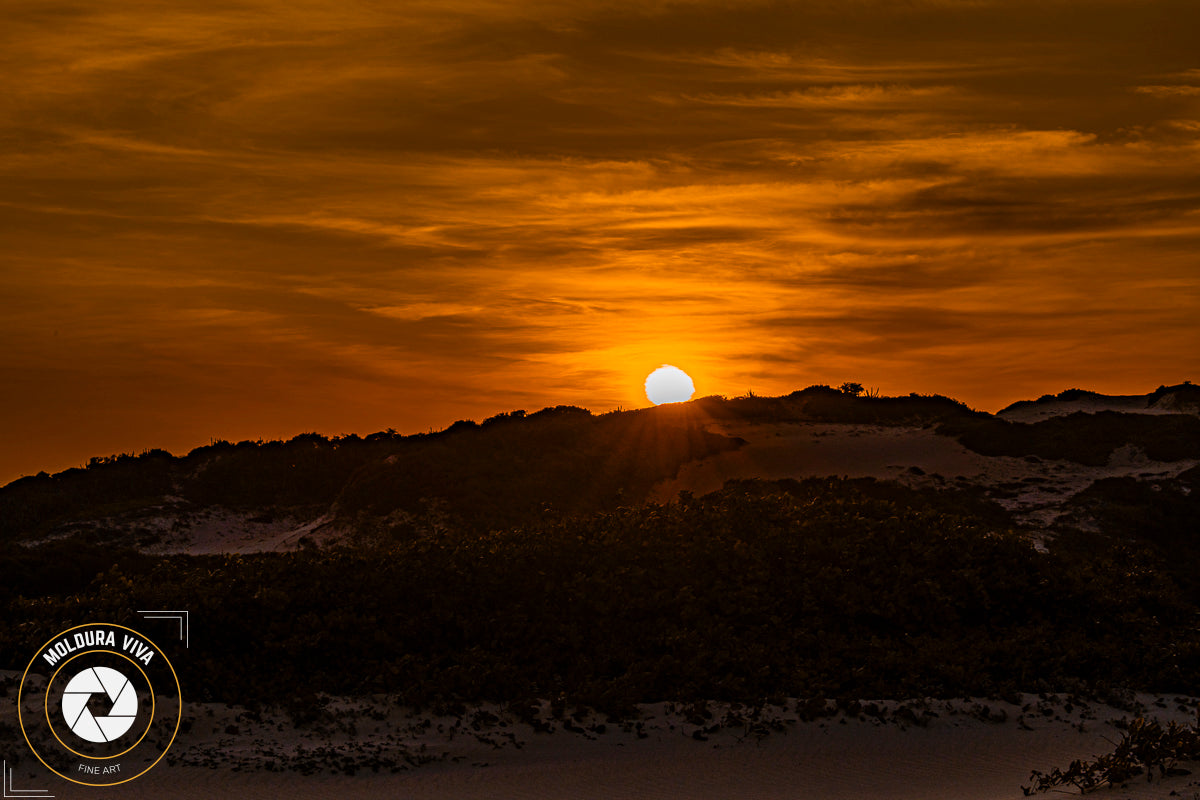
[
  {"x": 1035, "y": 489},
  {"x": 1092, "y": 403}
]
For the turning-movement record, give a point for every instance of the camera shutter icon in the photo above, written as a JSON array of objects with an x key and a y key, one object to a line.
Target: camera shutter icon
[{"x": 118, "y": 689}]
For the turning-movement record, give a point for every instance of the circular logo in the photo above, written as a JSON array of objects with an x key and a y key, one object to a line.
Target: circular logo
[{"x": 99, "y": 704}]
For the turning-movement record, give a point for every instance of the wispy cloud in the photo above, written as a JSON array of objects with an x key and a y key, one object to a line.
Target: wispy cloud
[
  {"x": 839, "y": 95},
  {"x": 1170, "y": 90}
]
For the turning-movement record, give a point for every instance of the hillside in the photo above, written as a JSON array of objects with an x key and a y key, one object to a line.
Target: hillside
[
  {"x": 1183, "y": 398},
  {"x": 813, "y": 545},
  {"x": 510, "y": 468},
  {"x": 518, "y": 468}
]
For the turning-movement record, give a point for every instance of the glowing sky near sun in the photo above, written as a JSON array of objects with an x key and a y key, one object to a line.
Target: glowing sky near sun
[{"x": 252, "y": 219}]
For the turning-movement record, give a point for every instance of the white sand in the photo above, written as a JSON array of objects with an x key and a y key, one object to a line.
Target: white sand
[
  {"x": 955, "y": 756},
  {"x": 179, "y": 527},
  {"x": 218, "y": 530}
]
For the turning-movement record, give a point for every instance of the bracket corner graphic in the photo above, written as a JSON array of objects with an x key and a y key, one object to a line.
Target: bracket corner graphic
[
  {"x": 11, "y": 792},
  {"x": 184, "y": 623}
]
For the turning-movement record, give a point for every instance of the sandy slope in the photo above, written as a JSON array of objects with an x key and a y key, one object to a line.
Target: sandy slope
[
  {"x": 1032, "y": 487},
  {"x": 217, "y": 530},
  {"x": 962, "y": 752},
  {"x": 1124, "y": 404}
]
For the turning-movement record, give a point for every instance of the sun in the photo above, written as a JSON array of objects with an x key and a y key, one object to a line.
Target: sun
[{"x": 669, "y": 384}]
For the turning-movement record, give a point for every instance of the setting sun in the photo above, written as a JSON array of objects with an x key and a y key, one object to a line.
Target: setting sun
[{"x": 669, "y": 384}]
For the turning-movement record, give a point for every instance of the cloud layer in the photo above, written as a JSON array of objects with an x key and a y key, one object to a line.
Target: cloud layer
[{"x": 249, "y": 219}]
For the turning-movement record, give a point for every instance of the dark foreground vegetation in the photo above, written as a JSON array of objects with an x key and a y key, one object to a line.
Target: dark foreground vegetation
[
  {"x": 1162, "y": 515},
  {"x": 823, "y": 588},
  {"x": 1145, "y": 748}
]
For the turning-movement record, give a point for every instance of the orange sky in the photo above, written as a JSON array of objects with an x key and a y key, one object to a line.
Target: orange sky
[{"x": 226, "y": 219}]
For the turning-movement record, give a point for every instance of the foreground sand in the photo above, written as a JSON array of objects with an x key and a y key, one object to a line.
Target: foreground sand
[{"x": 954, "y": 750}]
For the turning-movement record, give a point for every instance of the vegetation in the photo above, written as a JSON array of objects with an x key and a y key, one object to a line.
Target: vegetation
[
  {"x": 1145, "y": 747},
  {"x": 821, "y": 588},
  {"x": 507, "y": 470},
  {"x": 1159, "y": 514},
  {"x": 516, "y": 468},
  {"x": 1184, "y": 395},
  {"x": 1083, "y": 438},
  {"x": 106, "y": 485},
  {"x": 845, "y": 405}
]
